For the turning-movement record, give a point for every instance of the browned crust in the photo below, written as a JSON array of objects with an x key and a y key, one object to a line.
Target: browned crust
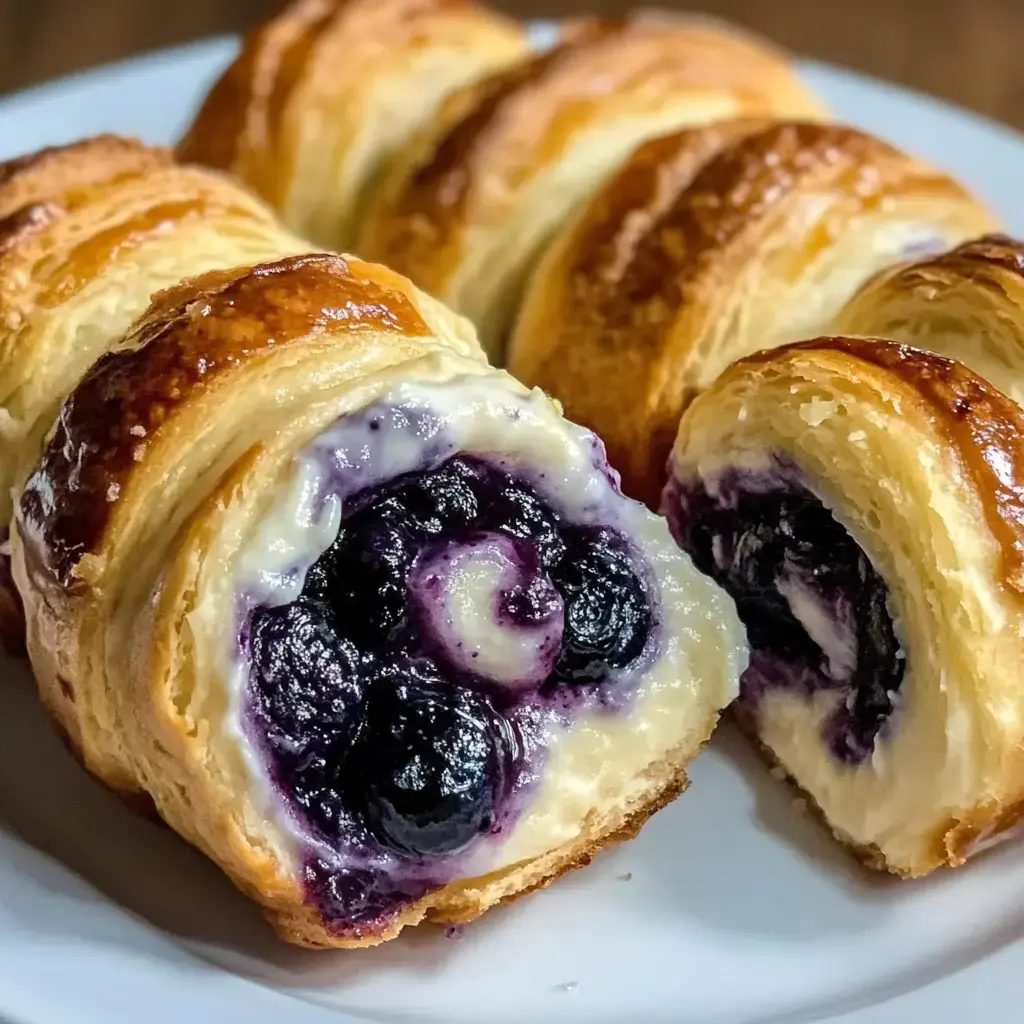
[
  {"x": 189, "y": 338},
  {"x": 238, "y": 127},
  {"x": 38, "y": 190},
  {"x": 242, "y": 111},
  {"x": 25, "y": 223},
  {"x": 976, "y": 262},
  {"x": 619, "y": 294},
  {"x": 980, "y": 254},
  {"x": 984, "y": 428},
  {"x": 54, "y": 174},
  {"x": 749, "y": 172},
  {"x": 522, "y": 120},
  {"x": 434, "y": 197},
  {"x": 643, "y": 192}
]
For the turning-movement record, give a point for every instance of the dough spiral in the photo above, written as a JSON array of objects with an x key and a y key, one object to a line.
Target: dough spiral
[{"x": 863, "y": 502}]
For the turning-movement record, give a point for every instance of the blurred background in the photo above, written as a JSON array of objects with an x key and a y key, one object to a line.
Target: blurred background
[{"x": 968, "y": 51}]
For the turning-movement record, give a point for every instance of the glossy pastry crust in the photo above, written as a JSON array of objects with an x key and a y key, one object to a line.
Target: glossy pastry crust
[
  {"x": 469, "y": 207},
  {"x": 708, "y": 245},
  {"x": 922, "y": 461},
  {"x": 87, "y": 233},
  {"x": 165, "y": 456},
  {"x": 324, "y": 94},
  {"x": 966, "y": 304}
]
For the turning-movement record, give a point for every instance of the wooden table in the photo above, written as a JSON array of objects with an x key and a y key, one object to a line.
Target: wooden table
[{"x": 966, "y": 50}]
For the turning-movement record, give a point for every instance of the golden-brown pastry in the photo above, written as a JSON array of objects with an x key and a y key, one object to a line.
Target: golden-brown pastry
[
  {"x": 467, "y": 210},
  {"x": 322, "y": 97},
  {"x": 965, "y": 304},
  {"x": 366, "y": 620},
  {"x": 863, "y": 502},
  {"x": 708, "y": 245},
  {"x": 88, "y": 233}
]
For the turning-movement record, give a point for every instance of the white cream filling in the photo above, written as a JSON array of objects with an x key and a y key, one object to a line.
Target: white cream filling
[
  {"x": 460, "y": 591},
  {"x": 835, "y": 639},
  {"x": 923, "y": 765},
  {"x": 596, "y": 766}
]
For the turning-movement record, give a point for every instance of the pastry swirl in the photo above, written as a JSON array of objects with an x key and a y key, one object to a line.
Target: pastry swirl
[
  {"x": 327, "y": 93},
  {"x": 863, "y": 502},
  {"x": 966, "y": 304},
  {"x": 468, "y": 209},
  {"x": 364, "y": 619},
  {"x": 708, "y": 245}
]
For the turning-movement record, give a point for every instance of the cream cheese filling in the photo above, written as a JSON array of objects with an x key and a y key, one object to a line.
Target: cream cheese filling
[
  {"x": 596, "y": 766},
  {"x": 460, "y": 592}
]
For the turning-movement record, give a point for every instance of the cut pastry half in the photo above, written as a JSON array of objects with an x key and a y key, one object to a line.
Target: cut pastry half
[
  {"x": 367, "y": 621},
  {"x": 966, "y": 304},
  {"x": 325, "y": 95},
  {"x": 708, "y": 245},
  {"x": 862, "y": 503},
  {"x": 468, "y": 209}
]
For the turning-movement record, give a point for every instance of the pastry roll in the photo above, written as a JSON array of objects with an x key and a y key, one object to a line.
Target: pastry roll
[
  {"x": 861, "y": 502},
  {"x": 324, "y": 95},
  {"x": 467, "y": 210},
  {"x": 88, "y": 233},
  {"x": 965, "y": 304},
  {"x": 705, "y": 246},
  {"x": 368, "y": 621}
]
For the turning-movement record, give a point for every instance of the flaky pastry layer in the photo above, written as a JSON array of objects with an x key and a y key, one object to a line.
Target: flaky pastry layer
[
  {"x": 922, "y": 461},
  {"x": 709, "y": 245}
]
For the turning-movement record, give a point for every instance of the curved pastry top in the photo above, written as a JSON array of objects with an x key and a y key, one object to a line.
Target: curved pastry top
[
  {"x": 59, "y": 170},
  {"x": 466, "y": 209},
  {"x": 979, "y": 424},
  {"x": 125, "y": 424},
  {"x": 88, "y": 233},
  {"x": 710, "y": 244},
  {"x": 966, "y": 304},
  {"x": 323, "y": 95}
]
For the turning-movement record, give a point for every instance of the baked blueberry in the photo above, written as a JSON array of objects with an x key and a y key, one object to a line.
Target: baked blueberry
[
  {"x": 354, "y": 896},
  {"x": 307, "y": 697},
  {"x": 815, "y": 609},
  {"x": 429, "y": 764},
  {"x": 454, "y": 602},
  {"x": 607, "y": 608}
]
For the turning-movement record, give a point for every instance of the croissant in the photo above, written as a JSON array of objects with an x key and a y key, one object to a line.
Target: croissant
[
  {"x": 88, "y": 233},
  {"x": 467, "y": 210},
  {"x": 365, "y": 620},
  {"x": 862, "y": 502},
  {"x": 324, "y": 95},
  {"x": 705, "y": 246},
  {"x": 965, "y": 304}
]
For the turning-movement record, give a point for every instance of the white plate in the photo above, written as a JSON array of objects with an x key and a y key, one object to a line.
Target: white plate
[{"x": 730, "y": 907}]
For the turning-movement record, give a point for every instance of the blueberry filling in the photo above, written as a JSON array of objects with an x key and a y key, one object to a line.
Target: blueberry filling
[
  {"x": 430, "y": 798},
  {"x": 814, "y": 607},
  {"x": 397, "y": 698}
]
